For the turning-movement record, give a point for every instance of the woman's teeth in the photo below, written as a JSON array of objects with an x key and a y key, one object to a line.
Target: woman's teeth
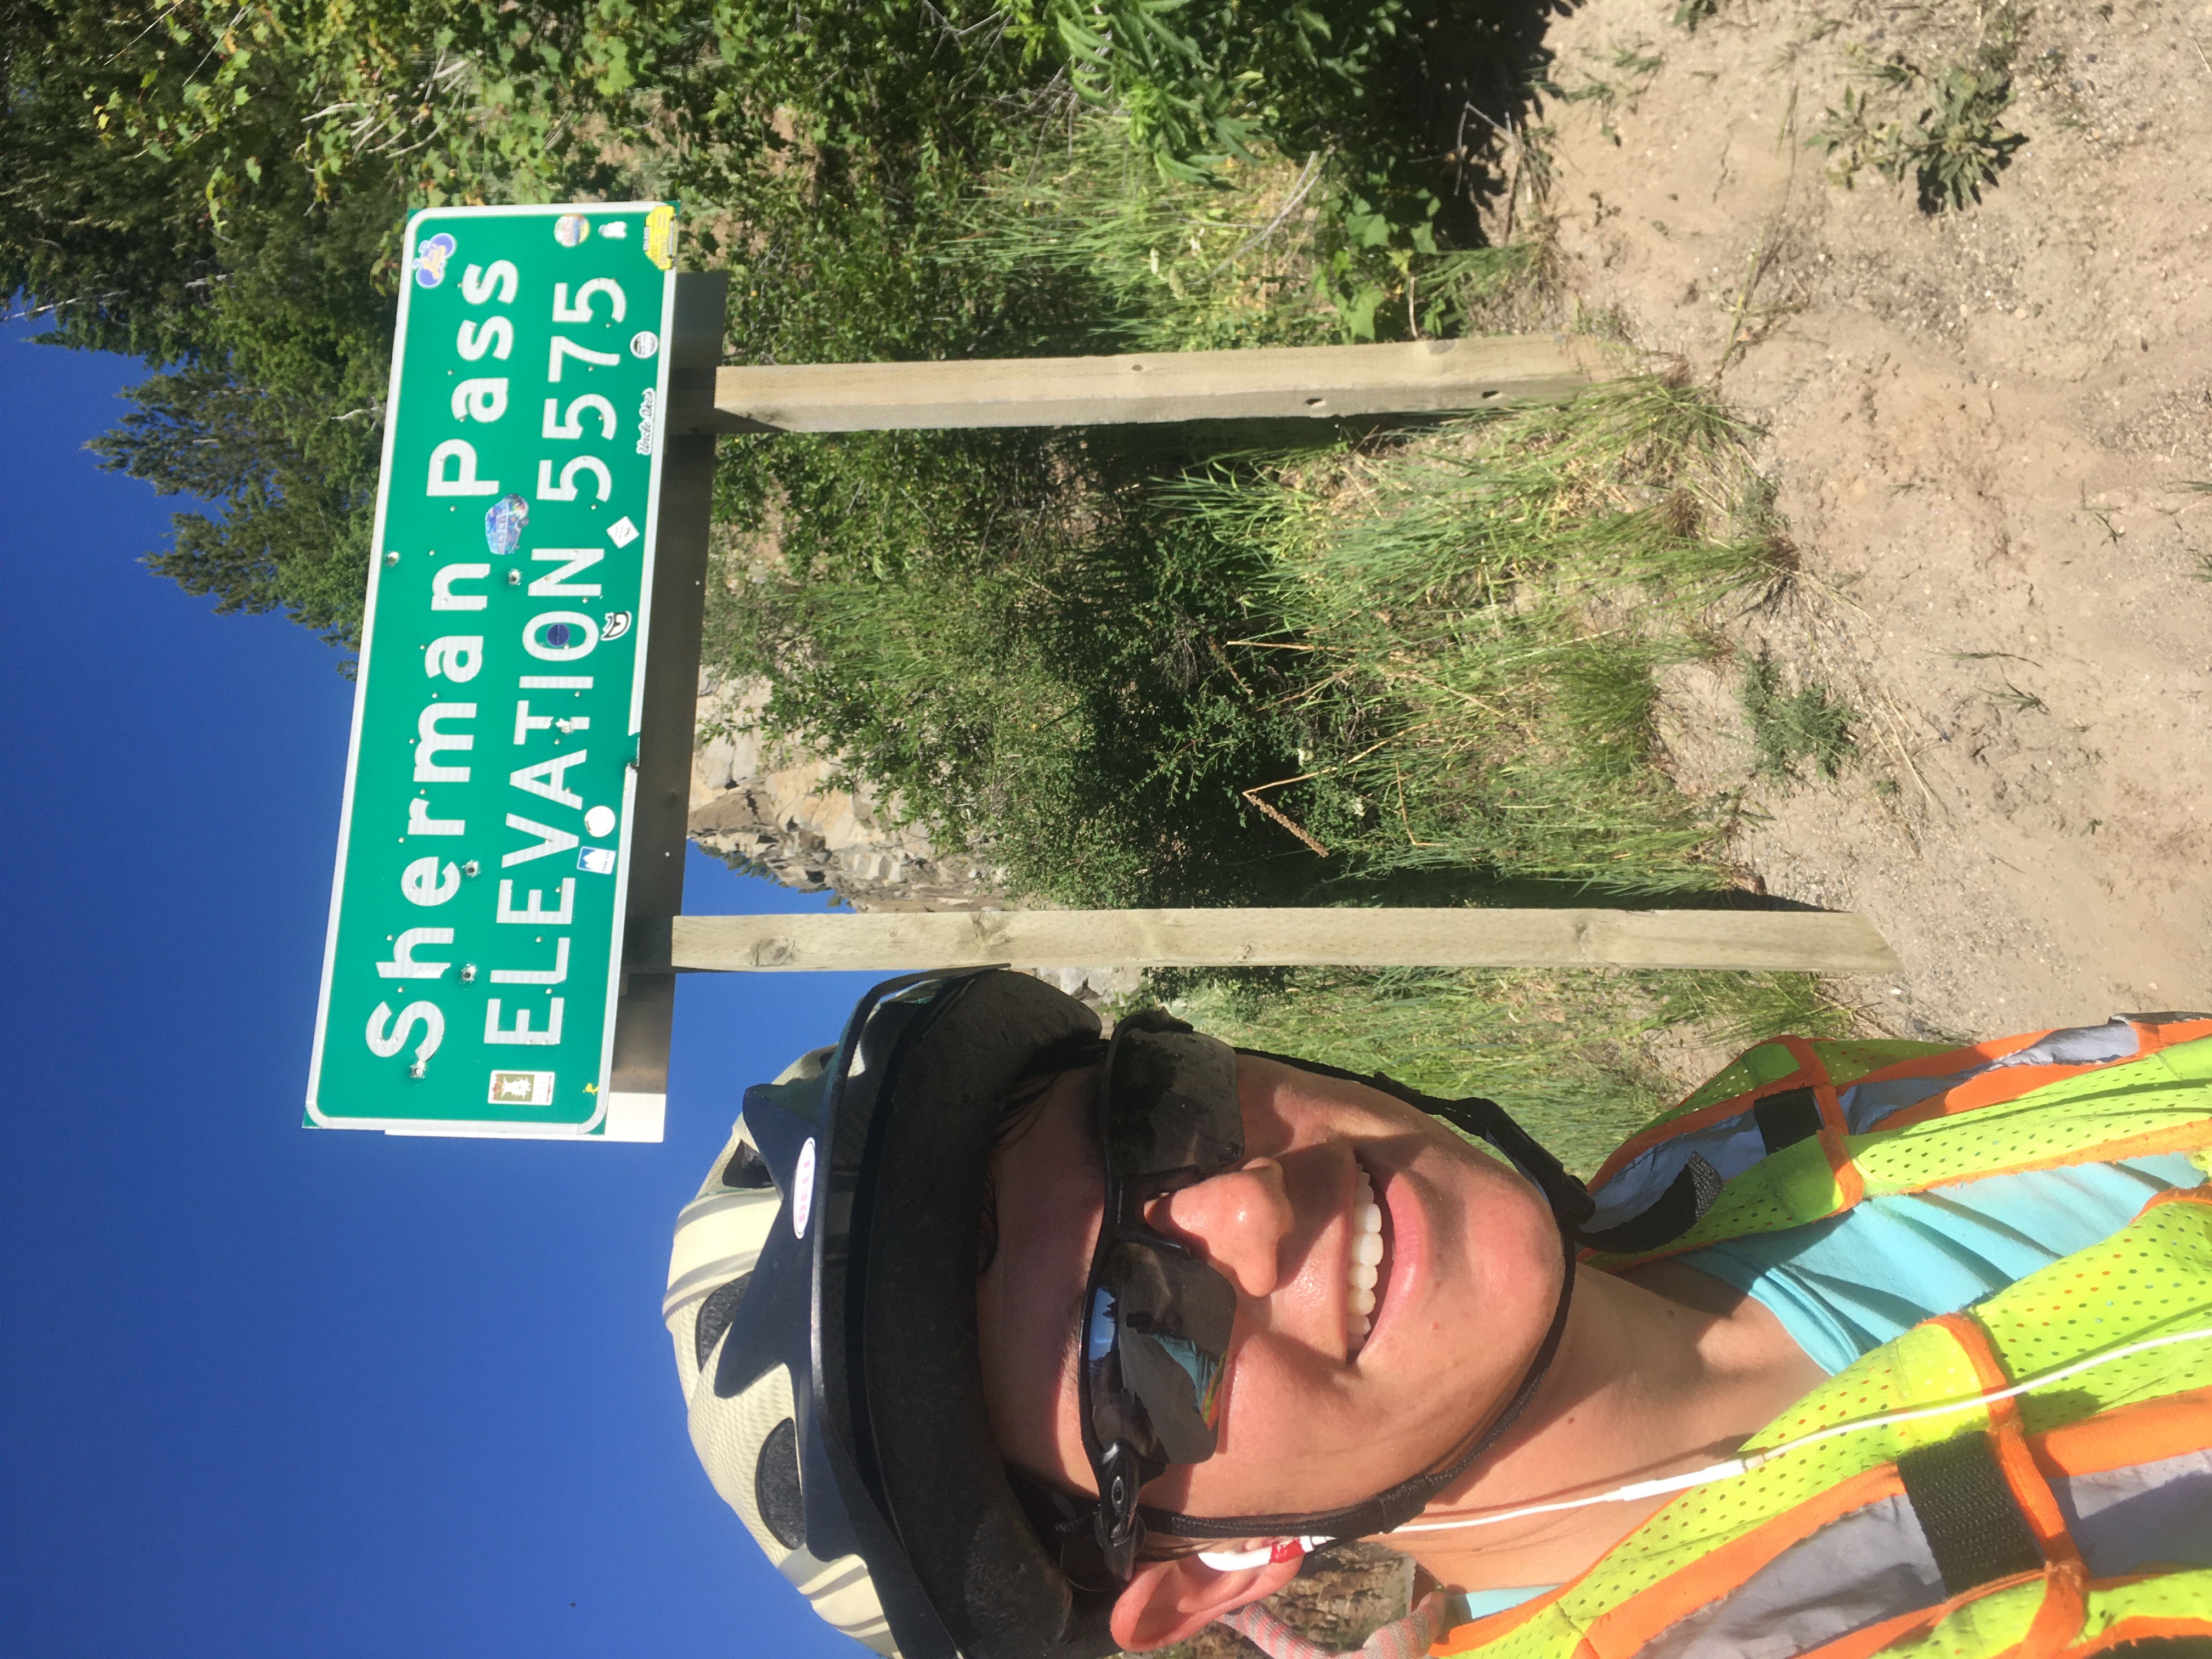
[{"x": 1366, "y": 1259}]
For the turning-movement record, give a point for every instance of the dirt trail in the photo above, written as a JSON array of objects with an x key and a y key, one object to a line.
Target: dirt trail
[{"x": 1982, "y": 425}]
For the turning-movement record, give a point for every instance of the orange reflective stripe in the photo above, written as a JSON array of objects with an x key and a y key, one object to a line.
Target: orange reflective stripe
[
  {"x": 1992, "y": 1088},
  {"x": 1861, "y": 1643},
  {"x": 2155, "y": 1037},
  {"x": 2122, "y": 1436},
  {"x": 1620, "y": 1631},
  {"x": 2058, "y": 1619},
  {"x": 1906, "y": 1626},
  {"x": 2010, "y": 1440},
  {"x": 1864, "y": 1644},
  {"x": 1989, "y": 1088}
]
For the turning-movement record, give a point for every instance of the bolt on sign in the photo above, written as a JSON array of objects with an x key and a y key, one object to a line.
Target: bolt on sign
[{"x": 474, "y": 955}]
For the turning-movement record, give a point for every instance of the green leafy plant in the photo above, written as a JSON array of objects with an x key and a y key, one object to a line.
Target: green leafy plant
[
  {"x": 1957, "y": 145},
  {"x": 1810, "y": 725},
  {"x": 1952, "y": 148}
]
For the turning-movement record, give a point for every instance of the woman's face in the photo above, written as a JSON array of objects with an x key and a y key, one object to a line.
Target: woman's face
[{"x": 1313, "y": 1416}]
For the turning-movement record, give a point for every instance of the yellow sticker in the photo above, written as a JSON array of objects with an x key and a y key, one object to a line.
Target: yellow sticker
[{"x": 661, "y": 236}]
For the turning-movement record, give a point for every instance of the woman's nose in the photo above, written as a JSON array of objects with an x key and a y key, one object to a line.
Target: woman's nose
[{"x": 1237, "y": 1221}]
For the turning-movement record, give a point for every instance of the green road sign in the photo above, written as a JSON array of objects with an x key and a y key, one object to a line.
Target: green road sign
[{"x": 474, "y": 948}]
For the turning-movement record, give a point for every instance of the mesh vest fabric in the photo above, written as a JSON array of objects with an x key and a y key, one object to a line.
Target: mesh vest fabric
[{"x": 1822, "y": 1551}]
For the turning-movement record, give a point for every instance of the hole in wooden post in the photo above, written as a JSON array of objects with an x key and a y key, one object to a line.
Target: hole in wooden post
[{"x": 1315, "y": 402}]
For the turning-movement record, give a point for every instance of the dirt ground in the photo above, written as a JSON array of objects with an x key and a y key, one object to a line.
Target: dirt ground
[{"x": 1983, "y": 425}]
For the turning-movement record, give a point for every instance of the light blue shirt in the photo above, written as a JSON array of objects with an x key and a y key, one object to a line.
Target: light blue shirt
[{"x": 1844, "y": 1286}]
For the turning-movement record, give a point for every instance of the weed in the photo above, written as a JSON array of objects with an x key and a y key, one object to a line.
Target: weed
[
  {"x": 1482, "y": 619},
  {"x": 1951, "y": 149},
  {"x": 2012, "y": 697},
  {"x": 1688, "y": 13},
  {"x": 2103, "y": 515},
  {"x": 1958, "y": 145},
  {"x": 1788, "y": 728}
]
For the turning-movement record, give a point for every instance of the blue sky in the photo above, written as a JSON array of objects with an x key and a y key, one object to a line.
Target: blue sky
[{"x": 269, "y": 1390}]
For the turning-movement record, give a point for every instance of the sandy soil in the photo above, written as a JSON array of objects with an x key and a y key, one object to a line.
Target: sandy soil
[{"x": 1982, "y": 425}]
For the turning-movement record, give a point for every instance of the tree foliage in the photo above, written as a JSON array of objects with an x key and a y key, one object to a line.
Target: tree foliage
[{"x": 220, "y": 188}]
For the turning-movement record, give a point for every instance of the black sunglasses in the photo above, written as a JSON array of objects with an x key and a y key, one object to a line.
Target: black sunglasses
[{"x": 1155, "y": 1320}]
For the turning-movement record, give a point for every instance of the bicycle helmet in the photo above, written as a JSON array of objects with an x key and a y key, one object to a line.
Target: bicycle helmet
[{"x": 822, "y": 1302}]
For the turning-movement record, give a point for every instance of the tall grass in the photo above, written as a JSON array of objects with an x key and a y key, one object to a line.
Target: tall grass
[
  {"x": 1160, "y": 665},
  {"x": 1476, "y": 620},
  {"x": 1257, "y": 257}
]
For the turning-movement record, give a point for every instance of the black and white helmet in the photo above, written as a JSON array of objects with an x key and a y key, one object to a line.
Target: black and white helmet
[{"x": 822, "y": 1300}]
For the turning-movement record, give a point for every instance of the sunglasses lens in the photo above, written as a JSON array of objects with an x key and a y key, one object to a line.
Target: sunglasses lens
[
  {"x": 1172, "y": 1106},
  {"x": 1155, "y": 1340}
]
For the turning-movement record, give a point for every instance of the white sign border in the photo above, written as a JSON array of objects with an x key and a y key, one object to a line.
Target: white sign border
[{"x": 596, "y": 1127}]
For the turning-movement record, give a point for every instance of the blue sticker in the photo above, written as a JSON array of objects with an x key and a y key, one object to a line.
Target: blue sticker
[
  {"x": 430, "y": 258},
  {"x": 504, "y": 525}
]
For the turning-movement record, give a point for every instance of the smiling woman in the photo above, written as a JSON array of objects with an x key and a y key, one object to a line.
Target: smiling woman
[{"x": 1233, "y": 1307}]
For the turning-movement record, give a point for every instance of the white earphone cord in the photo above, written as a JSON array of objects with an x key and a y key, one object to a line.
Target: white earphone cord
[{"x": 1713, "y": 1473}]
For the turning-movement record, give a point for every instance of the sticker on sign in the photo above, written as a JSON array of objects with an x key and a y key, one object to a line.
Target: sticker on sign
[
  {"x": 501, "y": 681},
  {"x": 520, "y": 1089}
]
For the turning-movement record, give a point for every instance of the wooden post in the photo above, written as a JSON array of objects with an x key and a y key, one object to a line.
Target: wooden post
[
  {"x": 1313, "y": 382},
  {"x": 1275, "y": 382},
  {"x": 646, "y": 1010},
  {"x": 1815, "y": 941}
]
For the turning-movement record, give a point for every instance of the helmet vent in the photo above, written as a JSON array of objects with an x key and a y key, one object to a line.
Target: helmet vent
[
  {"x": 746, "y": 1171},
  {"x": 776, "y": 1485},
  {"x": 715, "y": 1313}
]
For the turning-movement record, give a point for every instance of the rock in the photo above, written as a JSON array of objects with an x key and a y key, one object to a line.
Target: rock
[
  {"x": 780, "y": 815},
  {"x": 1342, "y": 1597}
]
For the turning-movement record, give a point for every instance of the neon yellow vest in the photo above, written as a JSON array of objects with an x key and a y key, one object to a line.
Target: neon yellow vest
[{"x": 2017, "y": 1527}]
